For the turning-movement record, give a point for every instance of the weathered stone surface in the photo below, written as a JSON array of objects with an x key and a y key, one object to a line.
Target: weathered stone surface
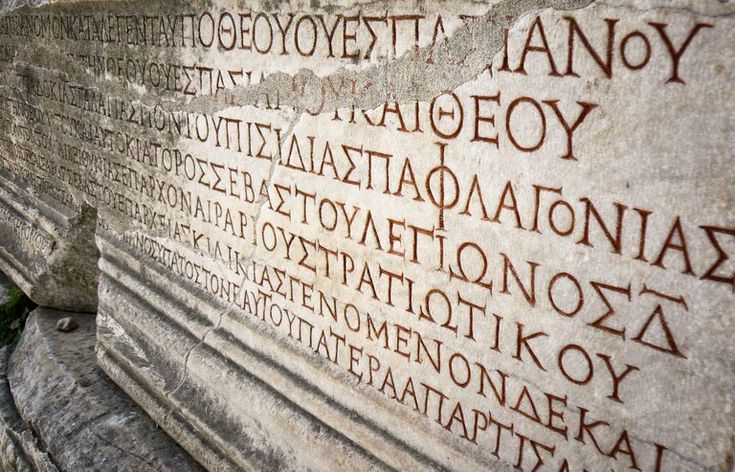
[
  {"x": 84, "y": 420},
  {"x": 19, "y": 449},
  {"x": 46, "y": 234},
  {"x": 409, "y": 235},
  {"x": 46, "y": 247}
]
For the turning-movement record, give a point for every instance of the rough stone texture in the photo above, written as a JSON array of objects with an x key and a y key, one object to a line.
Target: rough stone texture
[
  {"x": 46, "y": 247},
  {"x": 400, "y": 235},
  {"x": 82, "y": 418},
  {"x": 46, "y": 235},
  {"x": 19, "y": 449}
]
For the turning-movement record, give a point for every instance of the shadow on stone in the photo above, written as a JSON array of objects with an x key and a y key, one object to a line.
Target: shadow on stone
[{"x": 15, "y": 307}]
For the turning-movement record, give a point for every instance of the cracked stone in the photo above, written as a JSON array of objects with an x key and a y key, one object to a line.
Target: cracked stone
[{"x": 449, "y": 235}]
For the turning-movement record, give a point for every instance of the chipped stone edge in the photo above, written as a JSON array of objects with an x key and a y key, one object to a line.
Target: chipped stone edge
[{"x": 20, "y": 449}]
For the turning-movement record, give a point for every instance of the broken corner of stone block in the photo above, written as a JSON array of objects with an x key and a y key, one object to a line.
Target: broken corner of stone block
[{"x": 47, "y": 247}]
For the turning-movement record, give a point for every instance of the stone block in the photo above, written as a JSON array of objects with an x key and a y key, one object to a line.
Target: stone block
[
  {"x": 19, "y": 448},
  {"x": 47, "y": 248},
  {"x": 82, "y": 418},
  {"x": 399, "y": 235}
]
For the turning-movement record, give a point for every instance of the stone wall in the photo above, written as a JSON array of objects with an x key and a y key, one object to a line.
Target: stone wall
[{"x": 388, "y": 235}]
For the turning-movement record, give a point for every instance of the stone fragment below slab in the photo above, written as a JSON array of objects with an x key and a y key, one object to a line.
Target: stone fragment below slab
[
  {"x": 82, "y": 418},
  {"x": 19, "y": 448},
  {"x": 47, "y": 248}
]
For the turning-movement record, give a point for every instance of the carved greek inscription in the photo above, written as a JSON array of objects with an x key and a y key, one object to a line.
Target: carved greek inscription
[{"x": 476, "y": 259}]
